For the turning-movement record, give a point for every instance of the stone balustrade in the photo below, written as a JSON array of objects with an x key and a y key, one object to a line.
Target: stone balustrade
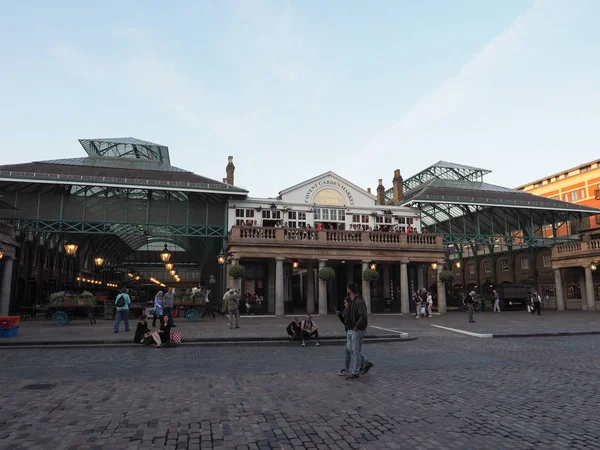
[
  {"x": 577, "y": 249},
  {"x": 332, "y": 238}
]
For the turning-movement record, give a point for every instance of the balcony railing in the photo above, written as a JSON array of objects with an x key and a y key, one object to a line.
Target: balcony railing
[
  {"x": 576, "y": 249},
  {"x": 332, "y": 238}
]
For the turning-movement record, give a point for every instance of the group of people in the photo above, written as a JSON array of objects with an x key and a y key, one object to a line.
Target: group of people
[
  {"x": 144, "y": 335},
  {"x": 424, "y": 303},
  {"x": 354, "y": 318},
  {"x": 330, "y": 226}
]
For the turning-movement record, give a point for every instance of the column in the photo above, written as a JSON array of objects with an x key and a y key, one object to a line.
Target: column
[
  {"x": 322, "y": 291},
  {"x": 310, "y": 289},
  {"x": 584, "y": 305},
  {"x": 366, "y": 287},
  {"x": 441, "y": 291},
  {"x": 279, "y": 288},
  {"x": 589, "y": 289},
  {"x": 421, "y": 280},
  {"x": 6, "y": 285},
  {"x": 558, "y": 289},
  {"x": 404, "y": 300}
]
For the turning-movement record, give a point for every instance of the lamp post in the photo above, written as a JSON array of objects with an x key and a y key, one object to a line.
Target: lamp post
[
  {"x": 165, "y": 255},
  {"x": 71, "y": 249},
  {"x": 99, "y": 261}
]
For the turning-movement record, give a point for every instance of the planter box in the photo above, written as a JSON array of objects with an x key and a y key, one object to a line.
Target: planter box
[{"x": 8, "y": 332}]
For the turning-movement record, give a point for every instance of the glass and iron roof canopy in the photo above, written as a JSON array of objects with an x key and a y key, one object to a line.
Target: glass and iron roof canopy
[{"x": 126, "y": 148}]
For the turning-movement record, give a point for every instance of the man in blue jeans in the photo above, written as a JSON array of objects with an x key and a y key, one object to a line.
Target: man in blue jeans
[
  {"x": 356, "y": 324},
  {"x": 122, "y": 303},
  {"x": 168, "y": 300}
]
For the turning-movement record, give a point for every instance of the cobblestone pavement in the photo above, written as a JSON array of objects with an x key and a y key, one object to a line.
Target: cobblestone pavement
[{"x": 449, "y": 391}]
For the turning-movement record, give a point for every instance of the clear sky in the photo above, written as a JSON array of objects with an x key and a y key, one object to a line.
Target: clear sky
[{"x": 293, "y": 89}]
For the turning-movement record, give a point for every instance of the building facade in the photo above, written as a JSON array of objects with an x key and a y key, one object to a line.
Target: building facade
[{"x": 327, "y": 221}]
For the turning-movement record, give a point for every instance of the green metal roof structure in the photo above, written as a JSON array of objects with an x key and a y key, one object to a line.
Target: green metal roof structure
[{"x": 126, "y": 148}]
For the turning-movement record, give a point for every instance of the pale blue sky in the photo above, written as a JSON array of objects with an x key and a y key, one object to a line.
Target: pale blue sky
[{"x": 293, "y": 89}]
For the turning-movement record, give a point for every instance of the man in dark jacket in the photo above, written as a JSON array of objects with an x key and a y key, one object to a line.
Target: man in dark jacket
[{"x": 356, "y": 324}]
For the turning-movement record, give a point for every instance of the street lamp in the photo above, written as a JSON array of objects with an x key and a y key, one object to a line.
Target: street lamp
[
  {"x": 373, "y": 266},
  {"x": 434, "y": 266},
  {"x": 457, "y": 264},
  {"x": 99, "y": 261},
  {"x": 221, "y": 258},
  {"x": 173, "y": 272},
  {"x": 169, "y": 266},
  {"x": 165, "y": 254},
  {"x": 295, "y": 264},
  {"x": 593, "y": 266},
  {"x": 71, "y": 249}
]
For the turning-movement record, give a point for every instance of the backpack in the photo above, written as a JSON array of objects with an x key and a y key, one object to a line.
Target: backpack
[{"x": 120, "y": 301}]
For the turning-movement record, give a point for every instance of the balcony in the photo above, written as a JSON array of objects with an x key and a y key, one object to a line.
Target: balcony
[
  {"x": 336, "y": 244},
  {"x": 575, "y": 253}
]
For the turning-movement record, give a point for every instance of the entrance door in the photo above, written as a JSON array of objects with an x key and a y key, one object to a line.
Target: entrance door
[{"x": 548, "y": 296}]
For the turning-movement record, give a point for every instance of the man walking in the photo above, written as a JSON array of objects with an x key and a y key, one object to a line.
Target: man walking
[
  {"x": 537, "y": 303},
  {"x": 496, "y": 301},
  {"x": 356, "y": 323},
  {"x": 122, "y": 304},
  {"x": 470, "y": 302},
  {"x": 168, "y": 300}
]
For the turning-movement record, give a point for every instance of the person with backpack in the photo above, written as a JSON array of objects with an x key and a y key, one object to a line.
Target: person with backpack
[{"x": 122, "y": 303}]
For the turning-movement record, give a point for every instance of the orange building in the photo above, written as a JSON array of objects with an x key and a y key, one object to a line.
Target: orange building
[{"x": 580, "y": 185}]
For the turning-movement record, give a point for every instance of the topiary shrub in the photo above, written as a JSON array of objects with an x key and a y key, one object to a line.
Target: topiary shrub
[
  {"x": 446, "y": 276},
  {"x": 326, "y": 274},
  {"x": 237, "y": 271},
  {"x": 370, "y": 275}
]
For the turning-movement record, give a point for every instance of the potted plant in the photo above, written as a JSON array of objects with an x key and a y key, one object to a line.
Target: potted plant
[
  {"x": 326, "y": 274},
  {"x": 446, "y": 276},
  {"x": 370, "y": 275},
  {"x": 237, "y": 271}
]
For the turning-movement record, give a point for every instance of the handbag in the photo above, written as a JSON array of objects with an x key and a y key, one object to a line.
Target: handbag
[{"x": 176, "y": 337}]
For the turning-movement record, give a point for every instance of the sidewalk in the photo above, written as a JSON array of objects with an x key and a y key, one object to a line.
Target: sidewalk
[{"x": 271, "y": 330}]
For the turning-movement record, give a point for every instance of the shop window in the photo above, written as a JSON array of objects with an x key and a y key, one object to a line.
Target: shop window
[
  {"x": 244, "y": 216},
  {"x": 296, "y": 219},
  {"x": 504, "y": 265},
  {"x": 547, "y": 259},
  {"x": 524, "y": 262}
]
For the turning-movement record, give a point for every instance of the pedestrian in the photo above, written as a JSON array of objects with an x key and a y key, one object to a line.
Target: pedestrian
[
  {"x": 168, "y": 300},
  {"x": 429, "y": 304},
  {"x": 204, "y": 294},
  {"x": 231, "y": 305},
  {"x": 470, "y": 302},
  {"x": 417, "y": 300},
  {"x": 356, "y": 323},
  {"x": 158, "y": 308},
  {"x": 122, "y": 303},
  {"x": 536, "y": 300},
  {"x": 365, "y": 365},
  {"x": 496, "y": 301}
]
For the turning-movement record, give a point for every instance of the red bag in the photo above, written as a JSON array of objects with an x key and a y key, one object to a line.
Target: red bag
[{"x": 176, "y": 337}]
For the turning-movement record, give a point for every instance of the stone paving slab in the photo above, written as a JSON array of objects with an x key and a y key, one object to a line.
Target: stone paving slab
[{"x": 445, "y": 392}]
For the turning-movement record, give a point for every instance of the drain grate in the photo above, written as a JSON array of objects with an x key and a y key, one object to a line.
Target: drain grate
[{"x": 37, "y": 387}]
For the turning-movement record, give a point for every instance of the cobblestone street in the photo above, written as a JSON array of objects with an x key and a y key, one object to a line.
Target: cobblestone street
[{"x": 440, "y": 391}]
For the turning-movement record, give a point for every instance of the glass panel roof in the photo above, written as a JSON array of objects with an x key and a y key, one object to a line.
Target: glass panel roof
[{"x": 127, "y": 147}]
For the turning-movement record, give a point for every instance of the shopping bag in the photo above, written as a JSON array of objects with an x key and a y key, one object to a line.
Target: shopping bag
[{"x": 176, "y": 337}]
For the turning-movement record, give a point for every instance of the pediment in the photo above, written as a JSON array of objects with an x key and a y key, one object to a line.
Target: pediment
[{"x": 328, "y": 189}]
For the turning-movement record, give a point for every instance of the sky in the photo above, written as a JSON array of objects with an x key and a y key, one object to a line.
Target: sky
[{"x": 293, "y": 89}]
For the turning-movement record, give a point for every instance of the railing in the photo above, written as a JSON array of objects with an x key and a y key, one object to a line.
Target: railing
[
  {"x": 332, "y": 238},
  {"x": 577, "y": 249}
]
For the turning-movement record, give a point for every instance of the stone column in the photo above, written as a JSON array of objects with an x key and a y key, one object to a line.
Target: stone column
[
  {"x": 310, "y": 289},
  {"x": 441, "y": 291},
  {"x": 366, "y": 287},
  {"x": 6, "y": 285},
  {"x": 404, "y": 300},
  {"x": 584, "y": 305},
  {"x": 279, "y": 288},
  {"x": 558, "y": 289},
  {"x": 322, "y": 291},
  {"x": 589, "y": 289}
]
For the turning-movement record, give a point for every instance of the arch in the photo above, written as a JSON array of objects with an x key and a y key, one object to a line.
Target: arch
[{"x": 329, "y": 197}]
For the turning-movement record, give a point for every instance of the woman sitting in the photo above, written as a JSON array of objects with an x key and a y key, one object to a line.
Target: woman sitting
[
  {"x": 163, "y": 335},
  {"x": 143, "y": 335}
]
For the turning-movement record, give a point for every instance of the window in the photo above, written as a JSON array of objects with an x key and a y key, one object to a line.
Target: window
[
  {"x": 471, "y": 269},
  {"x": 296, "y": 219},
  {"x": 330, "y": 215},
  {"x": 504, "y": 265},
  {"x": 547, "y": 259},
  {"x": 582, "y": 194},
  {"x": 383, "y": 220},
  {"x": 524, "y": 262},
  {"x": 359, "y": 221},
  {"x": 566, "y": 197},
  {"x": 487, "y": 267},
  {"x": 244, "y": 216},
  {"x": 574, "y": 196},
  {"x": 271, "y": 215}
]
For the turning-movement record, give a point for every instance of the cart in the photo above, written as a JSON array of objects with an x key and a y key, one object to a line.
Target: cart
[
  {"x": 63, "y": 314},
  {"x": 191, "y": 311}
]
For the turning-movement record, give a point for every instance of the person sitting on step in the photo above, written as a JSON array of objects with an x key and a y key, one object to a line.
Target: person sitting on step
[{"x": 309, "y": 330}]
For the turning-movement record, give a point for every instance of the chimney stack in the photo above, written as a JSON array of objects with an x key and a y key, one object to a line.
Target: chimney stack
[
  {"x": 380, "y": 193},
  {"x": 230, "y": 169},
  {"x": 369, "y": 190},
  {"x": 398, "y": 187}
]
